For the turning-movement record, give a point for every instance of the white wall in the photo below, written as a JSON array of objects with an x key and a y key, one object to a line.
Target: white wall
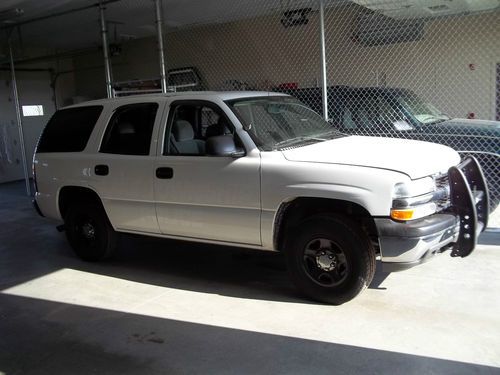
[{"x": 436, "y": 67}]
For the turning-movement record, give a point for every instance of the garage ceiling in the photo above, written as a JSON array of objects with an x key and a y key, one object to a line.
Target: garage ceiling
[{"x": 130, "y": 19}]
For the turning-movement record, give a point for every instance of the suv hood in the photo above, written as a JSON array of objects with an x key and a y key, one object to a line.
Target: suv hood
[
  {"x": 463, "y": 126},
  {"x": 481, "y": 135},
  {"x": 413, "y": 158}
]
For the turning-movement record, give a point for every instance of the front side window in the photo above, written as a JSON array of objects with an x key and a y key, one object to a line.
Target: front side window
[
  {"x": 390, "y": 116},
  {"x": 130, "y": 129},
  {"x": 191, "y": 124},
  {"x": 275, "y": 122},
  {"x": 374, "y": 113}
]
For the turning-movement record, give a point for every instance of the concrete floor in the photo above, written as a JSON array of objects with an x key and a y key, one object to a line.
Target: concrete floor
[{"x": 166, "y": 307}]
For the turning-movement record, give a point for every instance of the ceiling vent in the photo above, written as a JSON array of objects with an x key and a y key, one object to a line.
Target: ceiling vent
[{"x": 375, "y": 29}]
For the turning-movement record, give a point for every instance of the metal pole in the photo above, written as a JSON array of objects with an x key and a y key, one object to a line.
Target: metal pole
[
  {"x": 19, "y": 121},
  {"x": 105, "y": 50},
  {"x": 324, "y": 93},
  {"x": 159, "y": 30}
]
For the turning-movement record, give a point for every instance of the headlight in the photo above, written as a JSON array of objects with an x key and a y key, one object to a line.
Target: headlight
[
  {"x": 414, "y": 200},
  {"x": 414, "y": 188}
]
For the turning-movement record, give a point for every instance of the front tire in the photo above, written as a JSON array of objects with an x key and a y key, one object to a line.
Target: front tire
[
  {"x": 89, "y": 232},
  {"x": 330, "y": 259}
]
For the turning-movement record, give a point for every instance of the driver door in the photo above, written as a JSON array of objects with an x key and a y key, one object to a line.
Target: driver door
[{"x": 205, "y": 197}]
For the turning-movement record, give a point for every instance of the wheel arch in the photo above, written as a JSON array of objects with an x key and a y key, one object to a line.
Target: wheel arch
[
  {"x": 292, "y": 212},
  {"x": 72, "y": 193}
]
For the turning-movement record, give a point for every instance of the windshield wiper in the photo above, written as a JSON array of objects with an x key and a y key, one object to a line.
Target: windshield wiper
[
  {"x": 296, "y": 140},
  {"x": 328, "y": 134}
]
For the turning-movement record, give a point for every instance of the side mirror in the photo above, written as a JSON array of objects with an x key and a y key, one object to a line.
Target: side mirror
[
  {"x": 223, "y": 145},
  {"x": 331, "y": 121}
]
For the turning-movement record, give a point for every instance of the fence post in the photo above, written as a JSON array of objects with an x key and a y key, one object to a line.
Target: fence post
[
  {"x": 105, "y": 50},
  {"x": 324, "y": 93},
  {"x": 161, "y": 53}
]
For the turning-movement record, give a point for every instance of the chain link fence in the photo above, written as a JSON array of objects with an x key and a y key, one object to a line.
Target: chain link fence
[{"x": 393, "y": 68}]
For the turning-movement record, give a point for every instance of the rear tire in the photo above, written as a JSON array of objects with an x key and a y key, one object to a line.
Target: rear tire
[
  {"x": 89, "y": 232},
  {"x": 330, "y": 259}
]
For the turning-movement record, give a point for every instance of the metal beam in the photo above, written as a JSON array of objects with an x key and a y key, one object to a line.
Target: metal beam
[
  {"x": 58, "y": 14},
  {"x": 159, "y": 30},
  {"x": 105, "y": 50},
  {"x": 324, "y": 92},
  {"x": 27, "y": 69},
  {"x": 62, "y": 55},
  {"x": 19, "y": 120}
]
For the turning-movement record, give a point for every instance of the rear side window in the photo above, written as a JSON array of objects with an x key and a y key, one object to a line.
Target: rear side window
[
  {"x": 69, "y": 129},
  {"x": 129, "y": 130}
]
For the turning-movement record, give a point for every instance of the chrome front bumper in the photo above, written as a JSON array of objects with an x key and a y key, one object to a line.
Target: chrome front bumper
[{"x": 406, "y": 244}]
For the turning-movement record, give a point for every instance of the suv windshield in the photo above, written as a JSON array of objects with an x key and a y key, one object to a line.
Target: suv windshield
[
  {"x": 424, "y": 112},
  {"x": 276, "y": 122}
]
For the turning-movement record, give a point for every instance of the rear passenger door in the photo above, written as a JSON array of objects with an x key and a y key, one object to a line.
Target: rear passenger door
[{"x": 123, "y": 168}]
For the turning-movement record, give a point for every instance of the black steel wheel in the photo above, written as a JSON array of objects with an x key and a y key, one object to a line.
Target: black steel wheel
[
  {"x": 325, "y": 262},
  {"x": 89, "y": 232},
  {"x": 330, "y": 259}
]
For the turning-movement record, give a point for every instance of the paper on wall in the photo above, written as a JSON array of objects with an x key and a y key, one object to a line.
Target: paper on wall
[{"x": 5, "y": 147}]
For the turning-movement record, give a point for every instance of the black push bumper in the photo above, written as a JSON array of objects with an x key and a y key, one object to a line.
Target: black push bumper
[
  {"x": 470, "y": 202},
  {"x": 404, "y": 245}
]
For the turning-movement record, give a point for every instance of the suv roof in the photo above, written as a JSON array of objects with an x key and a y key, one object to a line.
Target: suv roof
[
  {"x": 373, "y": 90},
  {"x": 223, "y": 95}
]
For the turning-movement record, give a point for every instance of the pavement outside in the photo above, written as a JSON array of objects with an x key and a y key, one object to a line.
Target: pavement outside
[{"x": 168, "y": 307}]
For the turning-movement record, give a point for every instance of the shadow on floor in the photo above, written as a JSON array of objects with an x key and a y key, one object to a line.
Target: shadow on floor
[
  {"x": 490, "y": 237},
  {"x": 42, "y": 337}
]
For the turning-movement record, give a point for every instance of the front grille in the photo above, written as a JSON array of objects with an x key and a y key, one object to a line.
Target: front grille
[{"x": 442, "y": 192}]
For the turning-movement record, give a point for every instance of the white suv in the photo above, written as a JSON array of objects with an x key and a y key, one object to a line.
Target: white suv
[{"x": 257, "y": 170}]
